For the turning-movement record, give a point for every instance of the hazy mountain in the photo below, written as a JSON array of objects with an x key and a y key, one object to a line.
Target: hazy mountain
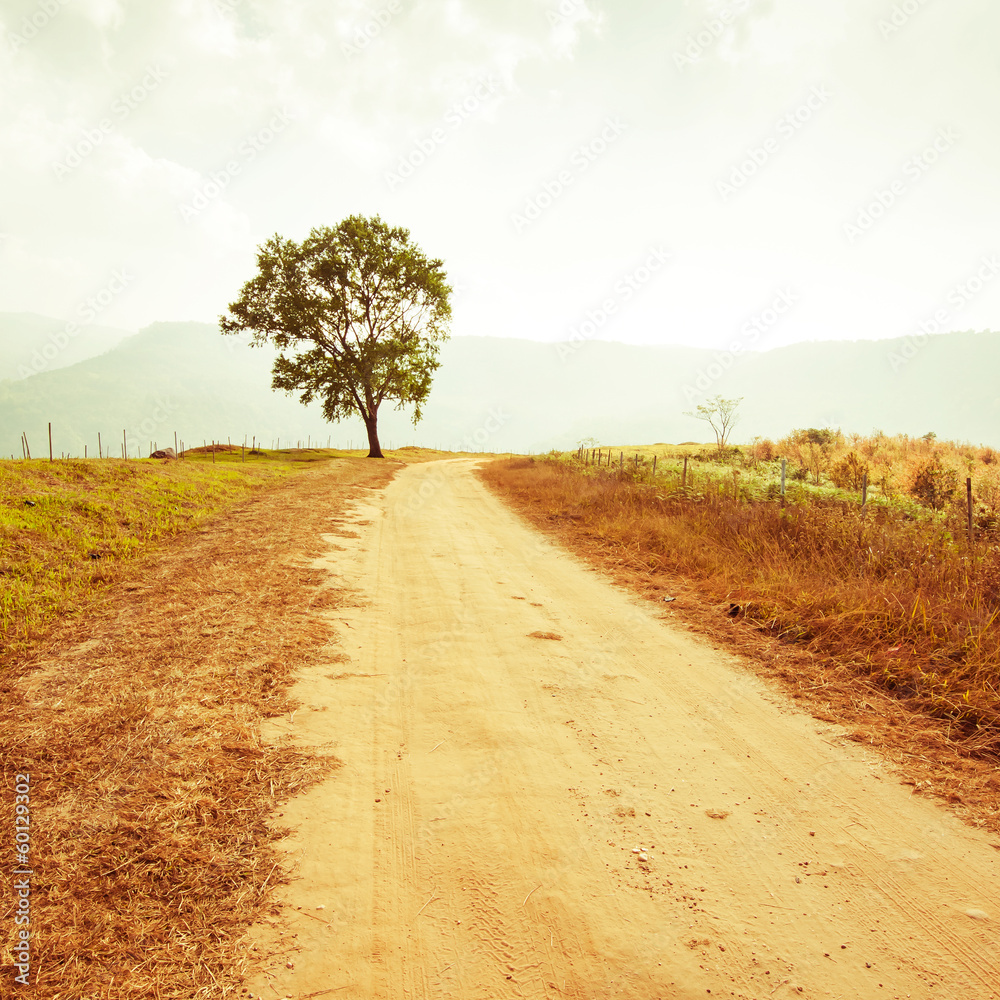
[
  {"x": 500, "y": 394},
  {"x": 31, "y": 344}
]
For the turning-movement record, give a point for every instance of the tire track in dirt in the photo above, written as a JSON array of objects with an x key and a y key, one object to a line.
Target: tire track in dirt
[{"x": 534, "y": 726}]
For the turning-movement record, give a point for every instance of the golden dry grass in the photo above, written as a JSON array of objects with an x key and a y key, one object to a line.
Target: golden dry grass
[{"x": 139, "y": 723}]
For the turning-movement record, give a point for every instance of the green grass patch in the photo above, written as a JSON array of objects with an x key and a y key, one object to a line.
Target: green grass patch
[{"x": 68, "y": 527}]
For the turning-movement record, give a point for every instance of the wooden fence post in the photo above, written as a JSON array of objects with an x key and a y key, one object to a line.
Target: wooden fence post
[
  {"x": 784, "y": 465},
  {"x": 654, "y": 466},
  {"x": 621, "y": 460},
  {"x": 100, "y": 453},
  {"x": 684, "y": 474},
  {"x": 864, "y": 494},
  {"x": 968, "y": 496},
  {"x": 50, "y": 440},
  {"x": 124, "y": 445}
]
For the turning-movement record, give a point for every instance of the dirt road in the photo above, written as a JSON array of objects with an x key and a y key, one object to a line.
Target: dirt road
[{"x": 513, "y": 728}]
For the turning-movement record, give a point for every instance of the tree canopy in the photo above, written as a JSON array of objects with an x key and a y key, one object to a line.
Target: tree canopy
[{"x": 357, "y": 313}]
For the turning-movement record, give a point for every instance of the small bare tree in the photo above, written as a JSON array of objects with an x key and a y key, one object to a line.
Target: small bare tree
[{"x": 721, "y": 415}]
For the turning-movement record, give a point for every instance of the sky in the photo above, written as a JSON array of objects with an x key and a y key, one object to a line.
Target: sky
[{"x": 748, "y": 172}]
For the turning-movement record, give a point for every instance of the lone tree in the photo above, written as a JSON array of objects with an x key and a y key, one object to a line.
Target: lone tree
[
  {"x": 357, "y": 313},
  {"x": 721, "y": 415}
]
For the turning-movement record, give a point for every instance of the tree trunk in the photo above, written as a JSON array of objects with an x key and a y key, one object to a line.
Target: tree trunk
[{"x": 371, "y": 425}]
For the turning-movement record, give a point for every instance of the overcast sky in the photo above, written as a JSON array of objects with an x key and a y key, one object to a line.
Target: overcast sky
[{"x": 651, "y": 171}]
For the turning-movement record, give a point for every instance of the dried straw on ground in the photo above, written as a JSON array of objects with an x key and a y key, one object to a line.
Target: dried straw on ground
[{"x": 138, "y": 719}]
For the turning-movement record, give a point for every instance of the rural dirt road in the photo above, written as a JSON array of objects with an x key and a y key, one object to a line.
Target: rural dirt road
[{"x": 480, "y": 839}]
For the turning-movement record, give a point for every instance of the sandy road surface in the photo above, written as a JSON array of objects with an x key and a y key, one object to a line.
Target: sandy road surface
[{"x": 478, "y": 842}]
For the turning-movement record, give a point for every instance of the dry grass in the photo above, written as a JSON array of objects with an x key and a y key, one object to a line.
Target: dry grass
[
  {"x": 139, "y": 723},
  {"x": 890, "y": 623}
]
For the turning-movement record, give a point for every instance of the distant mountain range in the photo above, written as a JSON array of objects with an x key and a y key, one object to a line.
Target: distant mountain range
[
  {"x": 31, "y": 344},
  {"x": 490, "y": 394}
]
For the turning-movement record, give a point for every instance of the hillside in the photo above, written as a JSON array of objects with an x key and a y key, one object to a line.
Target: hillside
[
  {"x": 509, "y": 394},
  {"x": 30, "y": 344}
]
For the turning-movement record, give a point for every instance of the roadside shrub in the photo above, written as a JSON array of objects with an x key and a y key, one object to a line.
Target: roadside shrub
[
  {"x": 811, "y": 448},
  {"x": 849, "y": 472},
  {"x": 761, "y": 450},
  {"x": 932, "y": 484}
]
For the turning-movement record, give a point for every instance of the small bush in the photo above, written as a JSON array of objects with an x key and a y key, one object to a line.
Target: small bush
[
  {"x": 933, "y": 484},
  {"x": 849, "y": 473},
  {"x": 760, "y": 450}
]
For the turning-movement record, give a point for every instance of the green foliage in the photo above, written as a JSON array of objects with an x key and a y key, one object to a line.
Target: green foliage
[
  {"x": 364, "y": 309},
  {"x": 65, "y": 527}
]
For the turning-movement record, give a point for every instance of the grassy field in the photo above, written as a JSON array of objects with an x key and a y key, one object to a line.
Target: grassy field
[
  {"x": 67, "y": 527},
  {"x": 897, "y": 593},
  {"x": 912, "y": 474}
]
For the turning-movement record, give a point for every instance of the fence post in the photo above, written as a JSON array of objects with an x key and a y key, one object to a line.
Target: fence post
[
  {"x": 968, "y": 496},
  {"x": 864, "y": 494},
  {"x": 50, "y": 440},
  {"x": 784, "y": 465},
  {"x": 684, "y": 474},
  {"x": 621, "y": 460},
  {"x": 100, "y": 453},
  {"x": 654, "y": 466},
  {"x": 124, "y": 445}
]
